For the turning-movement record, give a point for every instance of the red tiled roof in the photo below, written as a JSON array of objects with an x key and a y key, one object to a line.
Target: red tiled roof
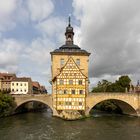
[
  {"x": 22, "y": 79},
  {"x": 7, "y": 74},
  {"x": 36, "y": 84}
]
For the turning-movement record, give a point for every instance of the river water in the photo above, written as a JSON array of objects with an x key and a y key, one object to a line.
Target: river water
[{"x": 42, "y": 126}]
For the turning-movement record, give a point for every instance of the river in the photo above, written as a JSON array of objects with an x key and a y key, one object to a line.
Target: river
[{"x": 42, "y": 126}]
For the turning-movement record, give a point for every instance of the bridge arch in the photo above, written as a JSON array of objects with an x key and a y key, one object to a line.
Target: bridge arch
[
  {"x": 33, "y": 100},
  {"x": 127, "y": 102},
  {"x": 44, "y": 99},
  {"x": 124, "y": 106}
]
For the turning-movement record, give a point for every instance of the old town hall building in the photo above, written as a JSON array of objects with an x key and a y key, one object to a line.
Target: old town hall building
[{"x": 69, "y": 76}]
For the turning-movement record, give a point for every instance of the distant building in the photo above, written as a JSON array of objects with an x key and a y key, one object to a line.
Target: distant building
[
  {"x": 43, "y": 90},
  {"x": 21, "y": 85},
  {"x": 36, "y": 87},
  {"x": 134, "y": 89},
  {"x": 5, "y": 81},
  {"x": 137, "y": 88}
]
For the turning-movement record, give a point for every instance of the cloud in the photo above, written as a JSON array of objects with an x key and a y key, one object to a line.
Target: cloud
[
  {"x": 36, "y": 60},
  {"x": 38, "y": 52},
  {"x": 40, "y": 9},
  {"x": 53, "y": 27},
  {"x": 110, "y": 30},
  {"x": 7, "y": 8},
  {"x": 9, "y": 55}
]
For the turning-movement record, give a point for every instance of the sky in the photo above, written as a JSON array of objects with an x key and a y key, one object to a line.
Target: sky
[{"x": 108, "y": 29}]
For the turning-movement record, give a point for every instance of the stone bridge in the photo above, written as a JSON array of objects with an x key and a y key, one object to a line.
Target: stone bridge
[
  {"x": 43, "y": 98},
  {"x": 128, "y": 102}
]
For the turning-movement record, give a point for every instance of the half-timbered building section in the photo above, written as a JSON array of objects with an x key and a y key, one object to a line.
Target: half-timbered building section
[{"x": 70, "y": 87}]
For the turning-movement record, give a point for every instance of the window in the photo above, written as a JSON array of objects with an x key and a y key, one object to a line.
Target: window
[
  {"x": 78, "y": 62},
  {"x": 61, "y": 82},
  {"x": 65, "y": 91},
  {"x": 21, "y": 90},
  {"x": 17, "y": 84},
  {"x": 80, "y": 82},
  {"x": 69, "y": 38},
  {"x": 60, "y": 92},
  {"x": 25, "y": 84},
  {"x": 13, "y": 90},
  {"x": 80, "y": 103},
  {"x": 80, "y": 91},
  {"x": 12, "y": 84},
  {"x": 25, "y": 90},
  {"x": 21, "y": 84},
  {"x": 60, "y": 103},
  {"x": 67, "y": 103},
  {"x": 17, "y": 89},
  {"x": 72, "y": 91},
  {"x": 62, "y": 62},
  {"x": 70, "y": 82}
]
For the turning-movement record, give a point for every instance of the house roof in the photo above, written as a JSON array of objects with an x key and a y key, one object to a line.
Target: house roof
[
  {"x": 36, "y": 84},
  {"x": 22, "y": 79},
  {"x": 70, "y": 49},
  {"x": 7, "y": 76}
]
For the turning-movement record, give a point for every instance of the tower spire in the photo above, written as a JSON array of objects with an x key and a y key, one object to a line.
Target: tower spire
[
  {"x": 69, "y": 32},
  {"x": 69, "y": 21}
]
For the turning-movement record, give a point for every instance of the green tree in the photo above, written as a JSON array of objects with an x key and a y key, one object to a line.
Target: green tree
[
  {"x": 124, "y": 81},
  {"x": 7, "y": 104},
  {"x": 101, "y": 86},
  {"x": 118, "y": 86}
]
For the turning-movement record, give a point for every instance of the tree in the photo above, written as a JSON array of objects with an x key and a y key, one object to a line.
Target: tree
[
  {"x": 117, "y": 86},
  {"x": 124, "y": 81},
  {"x": 7, "y": 104},
  {"x": 101, "y": 86}
]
